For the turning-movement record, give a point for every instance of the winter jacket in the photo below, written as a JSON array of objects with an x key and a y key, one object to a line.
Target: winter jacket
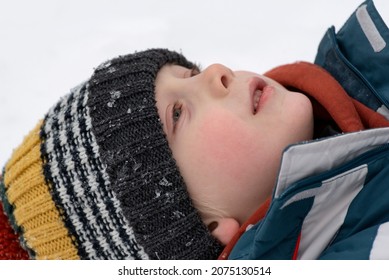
[{"x": 331, "y": 198}]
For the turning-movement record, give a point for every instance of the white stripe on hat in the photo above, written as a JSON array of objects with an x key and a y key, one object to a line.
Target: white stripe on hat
[{"x": 92, "y": 228}]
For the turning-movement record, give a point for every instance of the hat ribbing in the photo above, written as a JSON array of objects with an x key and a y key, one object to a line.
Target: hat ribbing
[{"x": 108, "y": 169}]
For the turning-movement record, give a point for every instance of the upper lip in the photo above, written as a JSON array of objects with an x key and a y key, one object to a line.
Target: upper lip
[{"x": 256, "y": 87}]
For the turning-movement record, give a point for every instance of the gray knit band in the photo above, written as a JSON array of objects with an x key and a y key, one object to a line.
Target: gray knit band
[{"x": 142, "y": 172}]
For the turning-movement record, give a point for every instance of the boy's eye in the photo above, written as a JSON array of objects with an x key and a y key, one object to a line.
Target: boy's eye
[
  {"x": 195, "y": 71},
  {"x": 177, "y": 110}
]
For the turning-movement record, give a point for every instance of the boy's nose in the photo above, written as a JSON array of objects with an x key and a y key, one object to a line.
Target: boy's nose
[{"x": 218, "y": 79}]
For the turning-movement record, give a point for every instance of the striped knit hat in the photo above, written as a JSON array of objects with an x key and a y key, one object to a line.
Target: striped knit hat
[{"x": 96, "y": 178}]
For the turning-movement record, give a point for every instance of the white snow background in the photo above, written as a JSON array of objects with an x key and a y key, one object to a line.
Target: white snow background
[{"x": 49, "y": 46}]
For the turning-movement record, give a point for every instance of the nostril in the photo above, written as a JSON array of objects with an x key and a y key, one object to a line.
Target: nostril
[{"x": 224, "y": 81}]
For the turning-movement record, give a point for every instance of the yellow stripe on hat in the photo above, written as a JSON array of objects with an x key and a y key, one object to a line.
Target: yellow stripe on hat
[{"x": 34, "y": 210}]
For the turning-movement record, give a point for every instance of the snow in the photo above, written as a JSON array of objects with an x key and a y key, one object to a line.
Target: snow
[{"x": 48, "y": 47}]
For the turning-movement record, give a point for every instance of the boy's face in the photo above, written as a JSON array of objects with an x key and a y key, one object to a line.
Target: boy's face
[{"x": 227, "y": 131}]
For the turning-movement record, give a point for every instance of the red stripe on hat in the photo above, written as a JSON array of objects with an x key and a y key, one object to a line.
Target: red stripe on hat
[{"x": 10, "y": 248}]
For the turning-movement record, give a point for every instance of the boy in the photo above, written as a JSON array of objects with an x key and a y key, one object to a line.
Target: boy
[{"x": 97, "y": 178}]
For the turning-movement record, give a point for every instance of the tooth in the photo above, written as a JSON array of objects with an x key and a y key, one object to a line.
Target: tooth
[{"x": 257, "y": 97}]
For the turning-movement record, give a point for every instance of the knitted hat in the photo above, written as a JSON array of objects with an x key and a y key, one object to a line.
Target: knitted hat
[{"x": 96, "y": 178}]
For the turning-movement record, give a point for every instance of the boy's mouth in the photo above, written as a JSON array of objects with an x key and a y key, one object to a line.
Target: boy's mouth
[
  {"x": 257, "y": 97},
  {"x": 256, "y": 88}
]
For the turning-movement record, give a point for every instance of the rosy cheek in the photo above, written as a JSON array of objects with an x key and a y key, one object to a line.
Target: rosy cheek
[{"x": 225, "y": 144}]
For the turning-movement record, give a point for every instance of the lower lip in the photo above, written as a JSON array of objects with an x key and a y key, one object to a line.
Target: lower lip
[{"x": 267, "y": 92}]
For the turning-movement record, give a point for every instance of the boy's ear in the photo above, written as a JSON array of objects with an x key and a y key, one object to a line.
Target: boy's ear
[{"x": 224, "y": 229}]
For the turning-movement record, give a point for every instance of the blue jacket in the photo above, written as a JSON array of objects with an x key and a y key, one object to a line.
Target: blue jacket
[{"x": 331, "y": 199}]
